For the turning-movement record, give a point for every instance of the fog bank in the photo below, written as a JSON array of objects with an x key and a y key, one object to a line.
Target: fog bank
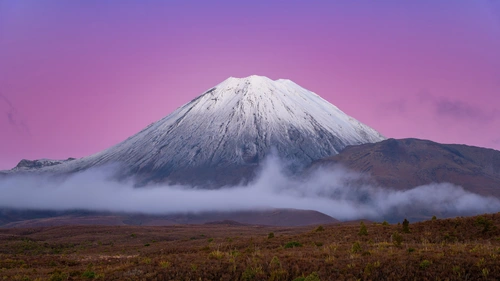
[{"x": 337, "y": 192}]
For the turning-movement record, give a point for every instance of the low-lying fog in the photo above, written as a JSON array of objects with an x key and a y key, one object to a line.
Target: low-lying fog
[{"x": 337, "y": 192}]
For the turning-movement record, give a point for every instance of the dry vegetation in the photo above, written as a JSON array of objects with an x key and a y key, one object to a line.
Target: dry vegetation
[{"x": 449, "y": 249}]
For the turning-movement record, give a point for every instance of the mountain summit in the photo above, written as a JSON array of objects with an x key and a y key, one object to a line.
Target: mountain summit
[{"x": 221, "y": 136}]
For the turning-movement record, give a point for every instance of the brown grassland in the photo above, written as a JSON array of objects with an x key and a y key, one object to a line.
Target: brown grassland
[{"x": 465, "y": 248}]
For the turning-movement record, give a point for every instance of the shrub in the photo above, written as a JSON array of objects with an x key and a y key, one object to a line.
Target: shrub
[
  {"x": 312, "y": 277},
  {"x": 59, "y": 276},
  {"x": 252, "y": 273},
  {"x": 165, "y": 264},
  {"x": 356, "y": 248},
  {"x": 248, "y": 274},
  {"x": 89, "y": 274},
  {"x": 485, "y": 223},
  {"x": 270, "y": 235},
  {"x": 362, "y": 229},
  {"x": 406, "y": 226},
  {"x": 385, "y": 223},
  {"x": 318, "y": 244},
  {"x": 216, "y": 255},
  {"x": 194, "y": 267},
  {"x": 292, "y": 244},
  {"x": 320, "y": 228},
  {"x": 425, "y": 264},
  {"x": 434, "y": 218},
  {"x": 275, "y": 262},
  {"x": 397, "y": 239}
]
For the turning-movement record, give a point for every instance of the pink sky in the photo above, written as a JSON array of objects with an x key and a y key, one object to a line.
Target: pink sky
[{"x": 77, "y": 77}]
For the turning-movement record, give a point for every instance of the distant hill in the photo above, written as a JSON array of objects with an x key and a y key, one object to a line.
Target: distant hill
[
  {"x": 407, "y": 163},
  {"x": 274, "y": 217}
]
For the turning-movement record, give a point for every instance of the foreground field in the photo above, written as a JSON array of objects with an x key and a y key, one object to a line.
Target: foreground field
[{"x": 450, "y": 249}]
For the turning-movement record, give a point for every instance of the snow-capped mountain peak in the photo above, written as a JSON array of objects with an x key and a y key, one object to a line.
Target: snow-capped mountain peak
[{"x": 222, "y": 135}]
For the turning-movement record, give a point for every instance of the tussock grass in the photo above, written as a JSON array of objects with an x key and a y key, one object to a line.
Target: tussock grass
[{"x": 464, "y": 248}]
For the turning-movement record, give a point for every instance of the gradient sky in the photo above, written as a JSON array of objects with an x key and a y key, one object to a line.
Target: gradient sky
[{"x": 79, "y": 76}]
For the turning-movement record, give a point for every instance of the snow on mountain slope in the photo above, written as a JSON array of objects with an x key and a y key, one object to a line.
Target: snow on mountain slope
[{"x": 228, "y": 130}]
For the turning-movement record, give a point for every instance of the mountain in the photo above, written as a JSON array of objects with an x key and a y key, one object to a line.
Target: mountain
[
  {"x": 26, "y": 165},
  {"x": 274, "y": 217},
  {"x": 407, "y": 163},
  {"x": 220, "y": 137}
]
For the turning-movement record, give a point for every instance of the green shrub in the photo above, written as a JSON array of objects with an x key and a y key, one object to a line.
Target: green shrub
[
  {"x": 59, "y": 276},
  {"x": 312, "y": 277},
  {"x": 165, "y": 264},
  {"x": 362, "y": 229},
  {"x": 425, "y": 264},
  {"x": 89, "y": 274},
  {"x": 292, "y": 244},
  {"x": 270, "y": 235},
  {"x": 252, "y": 273},
  {"x": 275, "y": 262},
  {"x": 485, "y": 223},
  {"x": 397, "y": 239},
  {"x": 216, "y": 255},
  {"x": 320, "y": 228},
  {"x": 356, "y": 248},
  {"x": 248, "y": 274}
]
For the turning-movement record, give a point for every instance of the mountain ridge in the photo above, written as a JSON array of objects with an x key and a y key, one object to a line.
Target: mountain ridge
[{"x": 407, "y": 163}]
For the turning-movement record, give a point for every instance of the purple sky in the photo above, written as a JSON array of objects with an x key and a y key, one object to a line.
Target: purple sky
[{"x": 79, "y": 76}]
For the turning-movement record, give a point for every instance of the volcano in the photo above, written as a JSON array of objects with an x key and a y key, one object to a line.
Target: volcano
[{"x": 222, "y": 136}]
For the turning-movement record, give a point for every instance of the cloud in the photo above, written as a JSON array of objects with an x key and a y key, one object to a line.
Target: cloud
[
  {"x": 13, "y": 116},
  {"x": 455, "y": 108},
  {"x": 398, "y": 106},
  {"x": 460, "y": 109},
  {"x": 446, "y": 113},
  {"x": 337, "y": 192}
]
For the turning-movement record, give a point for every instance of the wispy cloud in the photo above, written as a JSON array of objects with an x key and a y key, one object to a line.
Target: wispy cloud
[
  {"x": 456, "y": 108},
  {"x": 398, "y": 106},
  {"x": 13, "y": 116},
  {"x": 439, "y": 106},
  {"x": 460, "y": 109}
]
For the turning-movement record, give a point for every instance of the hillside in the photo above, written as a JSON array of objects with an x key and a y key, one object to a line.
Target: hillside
[{"x": 408, "y": 163}]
